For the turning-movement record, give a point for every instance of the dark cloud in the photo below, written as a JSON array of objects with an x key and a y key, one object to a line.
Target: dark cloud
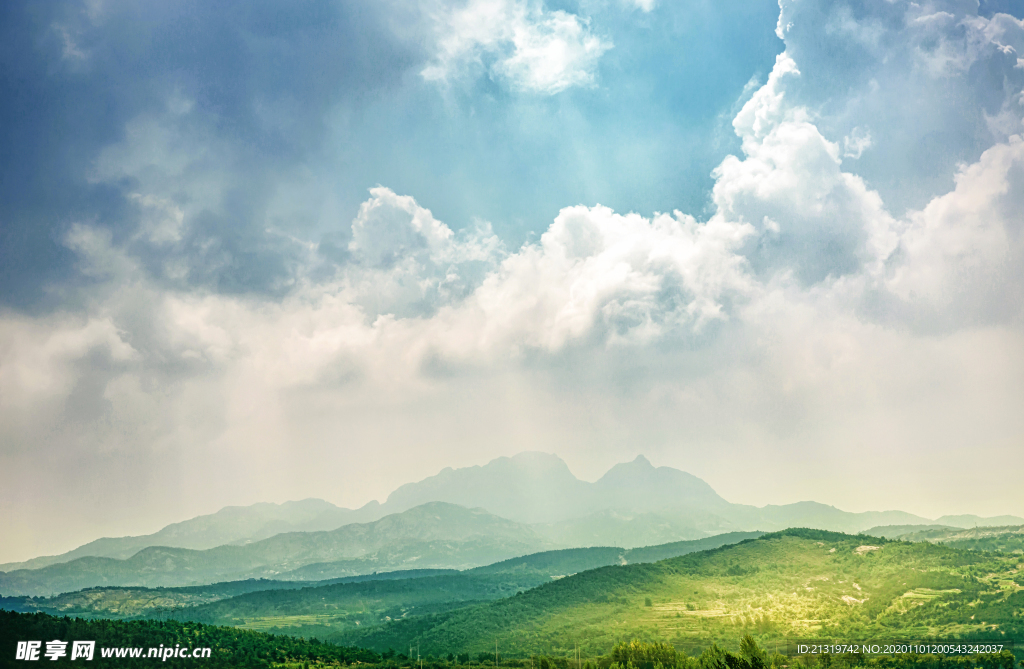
[{"x": 262, "y": 77}]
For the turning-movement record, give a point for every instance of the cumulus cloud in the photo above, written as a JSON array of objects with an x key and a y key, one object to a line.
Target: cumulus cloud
[
  {"x": 962, "y": 256},
  {"x": 619, "y": 278},
  {"x": 934, "y": 81},
  {"x": 520, "y": 42},
  {"x": 816, "y": 220},
  {"x": 405, "y": 262}
]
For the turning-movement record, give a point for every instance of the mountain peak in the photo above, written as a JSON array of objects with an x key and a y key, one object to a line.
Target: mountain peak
[
  {"x": 537, "y": 487},
  {"x": 526, "y": 487},
  {"x": 663, "y": 487}
]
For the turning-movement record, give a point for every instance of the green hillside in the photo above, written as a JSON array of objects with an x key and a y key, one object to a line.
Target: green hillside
[
  {"x": 574, "y": 560},
  {"x": 352, "y": 606},
  {"x": 127, "y": 602},
  {"x": 355, "y": 606},
  {"x": 796, "y": 583}
]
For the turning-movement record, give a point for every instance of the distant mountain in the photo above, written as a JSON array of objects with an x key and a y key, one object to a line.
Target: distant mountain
[
  {"x": 528, "y": 488},
  {"x": 816, "y": 516},
  {"x": 987, "y": 527},
  {"x": 629, "y": 529},
  {"x": 230, "y": 525},
  {"x": 966, "y": 521},
  {"x": 1008, "y": 539},
  {"x": 539, "y": 488},
  {"x": 434, "y": 535},
  {"x": 633, "y": 504},
  {"x": 640, "y": 486},
  {"x": 899, "y": 531}
]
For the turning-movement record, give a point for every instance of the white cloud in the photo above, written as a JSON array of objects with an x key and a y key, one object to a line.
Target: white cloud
[
  {"x": 623, "y": 278},
  {"x": 41, "y": 359},
  {"x": 520, "y": 42},
  {"x": 816, "y": 219},
  {"x": 856, "y": 143},
  {"x": 809, "y": 324},
  {"x": 405, "y": 262},
  {"x": 964, "y": 253},
  {"x": 643, "y": 5}
]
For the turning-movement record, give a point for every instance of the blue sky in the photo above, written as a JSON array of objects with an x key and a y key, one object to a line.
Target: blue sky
[
  {"x": 249, "y": 251},
  {"x": 313, "y": 104}
]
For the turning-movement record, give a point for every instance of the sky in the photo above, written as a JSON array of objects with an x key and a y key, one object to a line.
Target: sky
[{"x": 264, "y": 251}]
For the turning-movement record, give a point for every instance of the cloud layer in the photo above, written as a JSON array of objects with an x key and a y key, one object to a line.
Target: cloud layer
[{"x": 843, "y": 322}]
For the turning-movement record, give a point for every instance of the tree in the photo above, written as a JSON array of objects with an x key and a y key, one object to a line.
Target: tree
[{"x": 752, "y": 653}]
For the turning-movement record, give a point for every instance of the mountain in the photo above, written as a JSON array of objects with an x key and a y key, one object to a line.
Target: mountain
[
  {"x": 435, "y": 535},
  {"x": 899, "y": 531},
  {"x": 966, "y": 521},
  {"x": 816, "y": 516},
  {"x": 640, "y": 486},
  {"x": 573, "y": 560},
  {"x": 539, "y": 488},
  {"x": 629, "y": 529},
  {"x": 1001, "y": 539},
  {"x": 528, "y": 488},
  {"x": 633, "y": 504},
  {"x": 800, "y": 584},
  {"x": 349, "y": 606},
  {"x": 230, "y": 525},
  {"x": 416, "y": 591}
]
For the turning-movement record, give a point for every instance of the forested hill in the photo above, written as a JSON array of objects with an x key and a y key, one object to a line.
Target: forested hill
[
  {"x": 795, "y": 583},
  {"x": 129, "y": 602},
  {"x": 228, "y": 647},
  {"x": 573, "y": 560},
  {"x": 359, "y": 605}
]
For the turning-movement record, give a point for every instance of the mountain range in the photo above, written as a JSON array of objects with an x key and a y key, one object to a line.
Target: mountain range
[
  {"x": 531, "y": 501},
  {"x": 433, "y": 535}
]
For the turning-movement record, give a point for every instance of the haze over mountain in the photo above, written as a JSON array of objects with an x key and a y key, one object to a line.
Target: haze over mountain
[
  {"x": 969, "y": 520},
  {"x": 633, "y": 504},
  {"x": 539, "y": 488},
  {"x": 1004, "y": 539},
  {"x": 434, "y": 535},
  {"x": 230, "y": 525}
]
